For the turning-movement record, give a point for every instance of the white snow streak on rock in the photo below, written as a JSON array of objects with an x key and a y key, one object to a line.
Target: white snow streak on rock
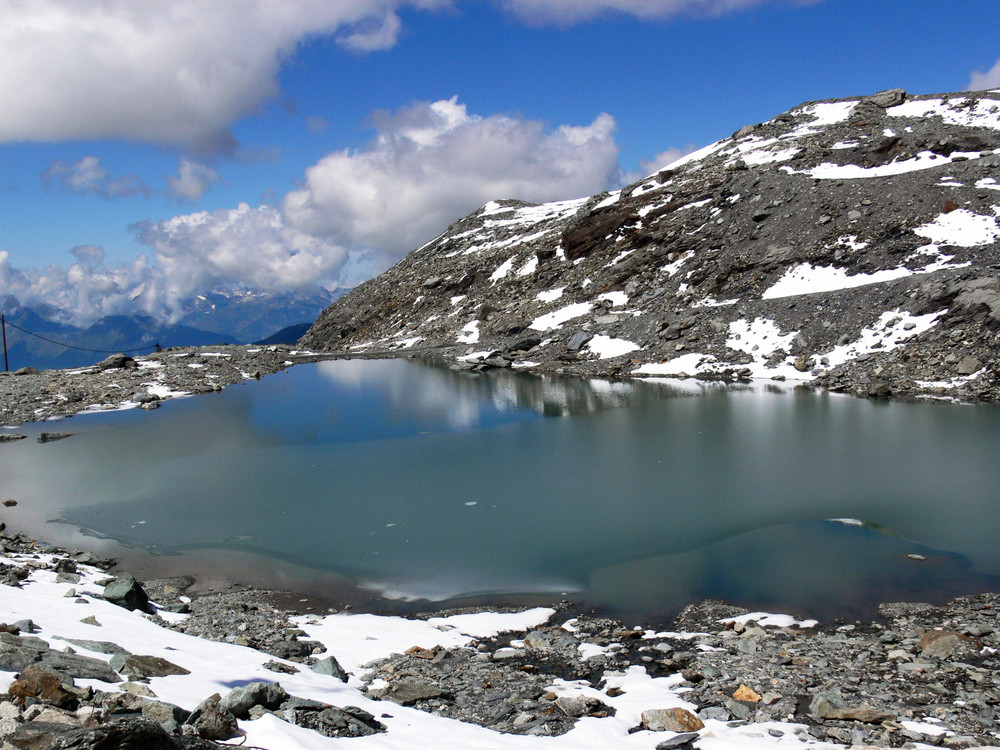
[
  {"x": 768, "y": 620},
  {"x": 529, "y": 268},
  {"x": 806, "y": 278},
  {"x": 606, "y": 347},
  {"x": 502, "y": 270},
  {"x": 985, "y": 113},
  {"x": 470, "y": 333},
  {"x": 550, "y": 295},
  {"x": 923, "y": 160},
  {"x": 554, "y": 319}
]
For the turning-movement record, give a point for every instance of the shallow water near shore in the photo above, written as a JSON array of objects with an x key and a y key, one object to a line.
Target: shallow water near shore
[{"x": 423, "y": 485}]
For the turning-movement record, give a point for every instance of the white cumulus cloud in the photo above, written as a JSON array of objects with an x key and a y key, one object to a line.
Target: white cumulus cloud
[
  {"x": 566, "y": 12},
  {"x": 983, "y": 80},
  {"x": 251, "y": 246},
  {"x": 433, "y": 162},
  {"x": 175, "y": 72},
  {"x": 192, "y": 180}
]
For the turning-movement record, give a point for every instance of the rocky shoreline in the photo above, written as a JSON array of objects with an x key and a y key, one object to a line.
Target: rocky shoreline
[
  {"x": 30, "y": 395},
  {"x": 920, "y": 675}
]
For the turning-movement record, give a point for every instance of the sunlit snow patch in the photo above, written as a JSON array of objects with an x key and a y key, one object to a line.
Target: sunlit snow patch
[
  {"x": 470, "y": 333},
  {"x": 502, "y": 270},
  {"x": 982, "y": 113},
  {"x": 606, "y": 347},
  {"x": 556, "y": 318},
  {"x": 962, "y": 228},
  {"x": 768, "y": 620},
  {"x": 923, "y": 160},
  {"x": 806, "y": 278},
  {"x": 550, "y": 295}
]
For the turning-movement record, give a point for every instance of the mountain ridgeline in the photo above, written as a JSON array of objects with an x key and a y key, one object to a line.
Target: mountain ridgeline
[
  {"x": 43, "y": 337},
  {"x": 853, "y": 244}
]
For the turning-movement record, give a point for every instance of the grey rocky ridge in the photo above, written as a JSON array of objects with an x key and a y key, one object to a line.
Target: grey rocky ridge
[{"x": 851, "y": 244}]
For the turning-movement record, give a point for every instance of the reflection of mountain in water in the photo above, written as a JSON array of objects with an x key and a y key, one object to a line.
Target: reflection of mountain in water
[{"x": 460, "y": 397}]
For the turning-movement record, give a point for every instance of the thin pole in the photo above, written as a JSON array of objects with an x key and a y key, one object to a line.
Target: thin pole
[{"x": 3, "y": 325}]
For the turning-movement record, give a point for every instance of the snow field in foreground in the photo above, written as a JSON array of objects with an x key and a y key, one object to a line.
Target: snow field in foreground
[{"x": 355, "y": 640}]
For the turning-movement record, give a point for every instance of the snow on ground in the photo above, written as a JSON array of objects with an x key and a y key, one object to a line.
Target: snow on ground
[
  {"x": 962, "y": 228},
  {"x": 891, "y": 331},
  {"x": 503, "y": 269},
  {"x": 550, "y": 295},
  {"x": 361, "y": 639},
  {"x": 355, "y": 640},
  {"x": 923, "y": 160},
  {"x": 606, "y": 347},
  {"x": 556, "y": 318},
  {"x": 806, "y": 278},
  {"x": 470, "y": 333},
  {"x": 617, "y": 299},
  {"x": 982, "y": 113},
  {"x": 768, "y": 620},
  {"x": 761, "y": 338},
  {"x": 686, "y": 365},
  {"x": 528, "y": 268}
]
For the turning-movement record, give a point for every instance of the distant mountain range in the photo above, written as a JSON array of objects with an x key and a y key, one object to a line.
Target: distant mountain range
[{"x": 43, "y": 337}]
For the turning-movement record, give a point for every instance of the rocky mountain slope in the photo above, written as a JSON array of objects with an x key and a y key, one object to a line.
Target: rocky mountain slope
[{"x": 852, "y": 244}]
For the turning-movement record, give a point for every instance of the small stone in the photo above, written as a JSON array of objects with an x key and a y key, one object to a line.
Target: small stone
[
  {"x": 744, "y": 693},
  {"x": 90, "y": 620},
  {"x": 680, "y": 740}
]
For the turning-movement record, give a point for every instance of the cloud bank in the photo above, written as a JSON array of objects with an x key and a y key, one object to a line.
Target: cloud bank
[
  {"x": 428, "y": 164},
  {"x": 433, "y": 162},
  {"x": 176, "y": 73}
]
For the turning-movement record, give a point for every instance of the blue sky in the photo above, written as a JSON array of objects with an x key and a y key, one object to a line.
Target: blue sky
[{"x": 148, "y": 153}]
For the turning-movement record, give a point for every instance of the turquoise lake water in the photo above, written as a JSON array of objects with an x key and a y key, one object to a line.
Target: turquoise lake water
[{"x": 416, "y": 482}]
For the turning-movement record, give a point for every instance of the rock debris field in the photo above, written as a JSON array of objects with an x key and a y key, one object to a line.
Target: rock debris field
[{"x": 90, "y": 657}]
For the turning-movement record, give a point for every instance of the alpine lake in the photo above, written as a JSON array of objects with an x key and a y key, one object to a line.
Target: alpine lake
[{"x": 404, "y": 486}]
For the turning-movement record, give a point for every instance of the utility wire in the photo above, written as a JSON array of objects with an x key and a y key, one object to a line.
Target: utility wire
[{"x": 80, "y": 348}]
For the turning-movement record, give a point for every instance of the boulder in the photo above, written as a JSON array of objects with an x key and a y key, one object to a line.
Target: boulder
[
  {"x": 117, "y": 362},
  {"x": 126, "y": 592},
  {"x": 40, "y": 685},
  {"x": 887, "y": 98}
]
